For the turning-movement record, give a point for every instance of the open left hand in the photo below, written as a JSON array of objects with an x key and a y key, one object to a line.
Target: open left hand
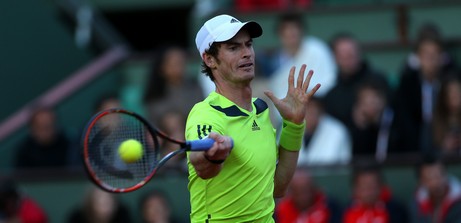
[{"x": 293, "y": 107}]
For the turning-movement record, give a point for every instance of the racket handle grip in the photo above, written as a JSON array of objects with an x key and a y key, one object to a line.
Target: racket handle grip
[{"x": 200, "y": 144}]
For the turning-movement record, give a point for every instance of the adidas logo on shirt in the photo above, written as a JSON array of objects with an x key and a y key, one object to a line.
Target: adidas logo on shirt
[{"x": 255, "y": 126}]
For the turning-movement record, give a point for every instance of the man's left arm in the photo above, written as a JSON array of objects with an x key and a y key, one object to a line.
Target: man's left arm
[{"x": 292, "y": 108}]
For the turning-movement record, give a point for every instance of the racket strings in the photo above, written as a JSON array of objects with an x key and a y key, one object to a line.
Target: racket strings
[{"x": 105, "y": 138}]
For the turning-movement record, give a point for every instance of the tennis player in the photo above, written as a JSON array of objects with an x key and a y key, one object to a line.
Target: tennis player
[{"x": 238, "y": 183}]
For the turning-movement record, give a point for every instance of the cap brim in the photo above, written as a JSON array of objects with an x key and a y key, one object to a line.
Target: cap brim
[{"x": 254, "y": 29}]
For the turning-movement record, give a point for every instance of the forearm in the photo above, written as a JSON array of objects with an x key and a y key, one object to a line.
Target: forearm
[
  {"x": 289, "y": 145},
  {"x": 203, "y": 167},
  {"x": 286, "y": 167}
]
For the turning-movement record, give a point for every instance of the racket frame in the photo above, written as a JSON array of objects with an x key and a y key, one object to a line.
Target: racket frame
[{"x": 154, "y": 132}]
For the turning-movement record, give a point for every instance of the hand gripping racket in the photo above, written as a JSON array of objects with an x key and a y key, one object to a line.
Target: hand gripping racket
[{"x": 102, "y": 138}]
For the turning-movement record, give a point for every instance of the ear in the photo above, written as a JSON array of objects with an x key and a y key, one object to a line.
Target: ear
[{"x": 209, "y": 60}]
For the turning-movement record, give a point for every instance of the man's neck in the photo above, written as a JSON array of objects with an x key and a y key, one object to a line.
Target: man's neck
[{"x": 240, "y": 95}]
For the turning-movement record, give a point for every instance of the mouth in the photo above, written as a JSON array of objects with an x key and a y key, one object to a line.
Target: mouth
[{"x": 246, "y": 65}]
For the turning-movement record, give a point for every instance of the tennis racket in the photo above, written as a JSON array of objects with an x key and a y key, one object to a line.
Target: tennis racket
[{"x": 102, "y": 137}]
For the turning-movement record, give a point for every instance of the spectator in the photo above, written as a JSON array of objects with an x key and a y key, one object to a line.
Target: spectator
[
  {"x": 374, "y": 130},
  {"x": 16, "y": 206},
  {"x": 447, "y": 118},
  {"x": 46, "y": 145},
  {"x": 297, "y": 48},
  {"x": 353, "y": 69},
  {"x": 169, "y": 86},
  {"x": 326, "y": 140},
  {"x": 105, "y": 101},
  {"x": 372, "y": 199},
  {"x": 413, "y": 63},
  {"x": 155, "y": 208},
  {"x": 416, "y": 93},
  {"x": 258, "y": 5},
  {"x": 173, "y": 124},
  {"x": 305, "y": 202},
  {"x": 438, "y": 196},
  {"x": 100, "y": 207}
]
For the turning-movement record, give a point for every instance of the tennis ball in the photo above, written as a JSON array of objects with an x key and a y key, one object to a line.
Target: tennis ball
[{"x": 130, "y": 150}]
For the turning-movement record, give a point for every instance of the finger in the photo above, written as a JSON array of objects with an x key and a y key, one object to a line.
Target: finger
[
  {"x": 291, "y": 78},
  {"x": 217, "y": 137},
  {"x": 308, "y": 80},
  {"x": 301, "y": 76},
  {"x": 212, "y": 151},
  {"x": 271, "y": 96},
  {"x": 312, "y": 92}
]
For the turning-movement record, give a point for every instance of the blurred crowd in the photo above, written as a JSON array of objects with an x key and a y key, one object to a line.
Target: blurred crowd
[{"x": 356, "y": 116}]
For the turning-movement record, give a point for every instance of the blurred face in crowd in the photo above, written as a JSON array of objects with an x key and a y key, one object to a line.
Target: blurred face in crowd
[
  {"x": 43, "y": 127},
  {"x": 173, "y": 124},
  {"x": 102, "y": 205},
  {"x": 347, "y": 56},
  {"x": 430, "y": 56},
  {"x": 110, "y": 103},
  {"x": 453, "y": 97},
  {"x": 369, "y": 105},
  {"x": 156, "y": 210},
  {"x": 313, "y": 113},
  {"x": 434, "y": 179},
  {"x": 302, "y": 190},
  {"x": 291, "y": 35},
  {"x": 367, "y": 188},
  {"x": 109, "y": 121},
  {"x": 174, "y": 65}
]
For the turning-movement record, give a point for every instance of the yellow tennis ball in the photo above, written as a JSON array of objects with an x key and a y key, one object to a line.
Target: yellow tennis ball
[{"x": 130, "y": 151}]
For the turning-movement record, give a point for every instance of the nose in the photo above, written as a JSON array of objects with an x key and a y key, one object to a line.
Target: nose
[{"x": 247, "y": 51}]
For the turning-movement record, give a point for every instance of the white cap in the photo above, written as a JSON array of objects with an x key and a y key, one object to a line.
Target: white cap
[{"x": 222, "y": 28}]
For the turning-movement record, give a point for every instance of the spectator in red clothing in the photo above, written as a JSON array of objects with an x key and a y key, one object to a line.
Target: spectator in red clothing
[
  {"x": 306, "y": 202},
  {"x": 17, "y": 207},
  {"x": 372, "y": 200},
  {"x": 438, "y": 196},
  {"x": 258, "y": 5}
]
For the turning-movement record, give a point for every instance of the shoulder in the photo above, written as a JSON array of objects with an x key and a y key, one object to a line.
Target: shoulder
[
  {"x": 260, "y": 105},
  {"x": 314, "y": 41},
  {"x": 204, "y": 117},
  {"x": 317, "y": 45}
]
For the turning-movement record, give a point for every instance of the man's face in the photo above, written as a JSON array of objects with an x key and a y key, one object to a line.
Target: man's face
[
  {"x": 453, "y": 98},
  {"x": 290, "y": 35},
  {"x": 174, "y": 65},
  {"x": 430, "y": 55},
  {"x": 370, "y": 103},
  {"x": 367, "y": 188},
  {"x": 43, "y": 127},
  {"x": 235, "y": 61},
  {"x": 313, "y": 115},
  {"x": 433, "y": 178},
  {"x": 302, "y": 190},
  {"x": 156, "y": 210},
  {"x": 347, "y": 56}
]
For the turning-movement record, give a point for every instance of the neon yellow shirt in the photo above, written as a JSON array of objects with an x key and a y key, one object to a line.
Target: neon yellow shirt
[{"x": 243, "y": 190}]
